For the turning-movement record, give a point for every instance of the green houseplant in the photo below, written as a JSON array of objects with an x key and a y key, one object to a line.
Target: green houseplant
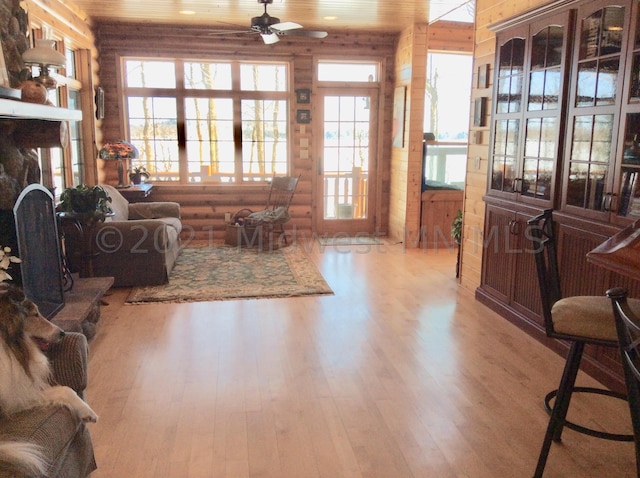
[
  {"x": 89, "y": 203},
  {"x": 456, "y": 228},
  {"x": 137, "y": 173}
]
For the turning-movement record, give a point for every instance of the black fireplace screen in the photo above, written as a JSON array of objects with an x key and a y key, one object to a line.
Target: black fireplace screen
[{"x": 39, "y": 249}]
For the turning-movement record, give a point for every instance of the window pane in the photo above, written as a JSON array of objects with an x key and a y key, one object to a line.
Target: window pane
[
  {"x": 150, "y": 74},
  {"x": 347, "y": 71},
  {"x": 209, "y": 136},
  {"x": 153, "y": 129},
  {"x": 207, "y": 76},
  {"x": 448, "y": 96},
  {"x": 70, "y": 67},
  {"x": 264, "y": 138},
  {"x": 261, "y": 77},
  {"x": 75, "y": 134}
]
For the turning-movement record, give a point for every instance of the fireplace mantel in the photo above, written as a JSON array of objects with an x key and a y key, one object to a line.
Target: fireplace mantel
[{"x": 13, "y": 109}]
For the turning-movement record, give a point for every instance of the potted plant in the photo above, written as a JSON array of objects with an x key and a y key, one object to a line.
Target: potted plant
[
  {"x": 137, "y": 173},
  {"x": 89, "y": 203},
  {"x": 456, "y": 228},
  {"x": 456, "y": 234}
]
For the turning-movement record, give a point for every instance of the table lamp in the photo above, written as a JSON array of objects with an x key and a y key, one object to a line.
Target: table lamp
[
  {"x": 44, "y": 55},
  {"x": 120, "y": 151}
]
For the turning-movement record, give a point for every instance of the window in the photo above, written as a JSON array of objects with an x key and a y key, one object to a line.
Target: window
[
  {"x": 208, "y": 121},
  {"x": 64, "y": 167},
  {"x": 343, "y": 71},
  {"x": 446, "y": 115}
]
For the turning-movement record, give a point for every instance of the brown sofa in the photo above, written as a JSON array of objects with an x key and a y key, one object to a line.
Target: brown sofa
[
  {"x": 64, "y": 438},
  {"x": 137, "y": 246}
]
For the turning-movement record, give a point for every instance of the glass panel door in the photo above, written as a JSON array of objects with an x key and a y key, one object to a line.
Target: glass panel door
[{"x": 347, "y": 149}]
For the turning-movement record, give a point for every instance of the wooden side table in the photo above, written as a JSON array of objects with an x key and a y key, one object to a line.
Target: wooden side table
[
  {"x": 137, "y": 192},
  {"x": 85, "y": 233}
]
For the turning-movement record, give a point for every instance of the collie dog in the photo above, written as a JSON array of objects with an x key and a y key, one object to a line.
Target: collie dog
[{"x": 25, "y": 375}]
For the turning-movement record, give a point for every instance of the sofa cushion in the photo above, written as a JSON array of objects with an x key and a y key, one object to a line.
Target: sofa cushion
[{"x": 154, "y": 210}]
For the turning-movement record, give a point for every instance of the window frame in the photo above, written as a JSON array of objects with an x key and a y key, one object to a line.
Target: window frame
[{"x": 236, "y": 94}]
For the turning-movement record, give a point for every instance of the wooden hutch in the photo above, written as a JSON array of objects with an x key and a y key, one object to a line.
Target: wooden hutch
[{"x": 565, "y": 134}]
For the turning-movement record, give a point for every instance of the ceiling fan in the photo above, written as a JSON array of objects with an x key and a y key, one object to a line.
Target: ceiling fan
[{"x": 270, "y": 28}]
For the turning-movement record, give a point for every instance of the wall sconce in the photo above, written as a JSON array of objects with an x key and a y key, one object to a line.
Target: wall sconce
[
  {"x": 45, "y": 56},
  {"x": 119, "y": 150}
]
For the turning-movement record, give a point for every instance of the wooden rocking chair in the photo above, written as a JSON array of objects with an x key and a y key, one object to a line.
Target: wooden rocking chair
[{"x": 276, "y": 212}]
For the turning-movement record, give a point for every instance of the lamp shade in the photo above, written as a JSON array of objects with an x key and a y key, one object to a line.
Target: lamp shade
[
  {"x": 44, "y": 54},
  {"x": 118, "y": 150}
]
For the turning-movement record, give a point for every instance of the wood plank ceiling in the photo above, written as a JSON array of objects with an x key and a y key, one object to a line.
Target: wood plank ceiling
[{"x": 328, "y": 15}]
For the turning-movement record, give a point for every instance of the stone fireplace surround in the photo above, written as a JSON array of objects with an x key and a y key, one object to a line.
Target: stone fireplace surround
[{"x": 19, "y": 168}]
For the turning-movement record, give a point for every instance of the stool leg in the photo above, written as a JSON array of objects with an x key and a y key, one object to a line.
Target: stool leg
[
  {"x": 561, "y": 405},
  {"x": 633, "y": 397}
]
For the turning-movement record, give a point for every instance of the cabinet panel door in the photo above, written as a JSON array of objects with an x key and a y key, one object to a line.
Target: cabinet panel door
[
  {"x": 526, "y": 292},
  {"x": 499, "y": 244}
]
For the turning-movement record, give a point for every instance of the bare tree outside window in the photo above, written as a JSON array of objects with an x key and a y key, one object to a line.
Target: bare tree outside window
[{"x": 234, "y": 130}]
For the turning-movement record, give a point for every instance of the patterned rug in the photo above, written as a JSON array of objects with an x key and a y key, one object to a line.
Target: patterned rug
[{"x": 207, "y": 273}]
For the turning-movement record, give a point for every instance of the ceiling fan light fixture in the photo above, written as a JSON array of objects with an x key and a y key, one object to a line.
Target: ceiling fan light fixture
[{"x": 269, "y": 38}]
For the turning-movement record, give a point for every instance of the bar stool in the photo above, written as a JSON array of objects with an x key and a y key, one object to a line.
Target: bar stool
[
  {"x": 579, "y": 320},
  {"x": 628, "y": 327}
]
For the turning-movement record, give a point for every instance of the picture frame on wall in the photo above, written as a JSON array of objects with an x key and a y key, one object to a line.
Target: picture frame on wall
[
  {"x": 303, "y": 116},
  {"x": 303, "y": 95},
  {"x": 99, "y": 103},
  {"x": 479, "y": 112},
  {"x": 483, "y": 76}
]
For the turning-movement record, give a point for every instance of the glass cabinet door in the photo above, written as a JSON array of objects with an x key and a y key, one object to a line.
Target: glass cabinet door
[
  {"x": 508, "y": 104},
  {"x": 594, "y": 109},
  {"x": 628, "y": 153},
  {"x": 531, "y": 77},
  {"x": 542, "y": 116}
]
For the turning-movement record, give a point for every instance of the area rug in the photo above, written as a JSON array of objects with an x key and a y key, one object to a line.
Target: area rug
[{"x": 208, "y": 273}]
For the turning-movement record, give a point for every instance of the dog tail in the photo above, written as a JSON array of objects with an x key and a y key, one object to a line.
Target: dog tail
[{"x": 21, "y": 457}]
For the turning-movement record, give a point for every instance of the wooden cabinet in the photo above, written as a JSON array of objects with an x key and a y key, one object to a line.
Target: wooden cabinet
[{"x": 565, "y": 134}]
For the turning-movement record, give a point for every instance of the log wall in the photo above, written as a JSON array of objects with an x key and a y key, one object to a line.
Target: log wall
[{"x": 203, "y": 206}]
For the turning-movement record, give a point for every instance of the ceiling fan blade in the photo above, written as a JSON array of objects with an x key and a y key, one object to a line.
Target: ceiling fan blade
[
  {"x": 229, "y": 32},
  {"x": 304, "y": 33},
  {"x": 285, "y": 26},
  {"x": 269, "y": 38}
]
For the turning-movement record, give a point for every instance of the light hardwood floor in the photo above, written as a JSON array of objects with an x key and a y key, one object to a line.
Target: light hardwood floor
[{"x": 400, "y": 374}]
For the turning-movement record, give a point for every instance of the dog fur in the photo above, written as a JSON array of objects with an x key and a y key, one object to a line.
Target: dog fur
[{"x": 25, "y": 375}]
